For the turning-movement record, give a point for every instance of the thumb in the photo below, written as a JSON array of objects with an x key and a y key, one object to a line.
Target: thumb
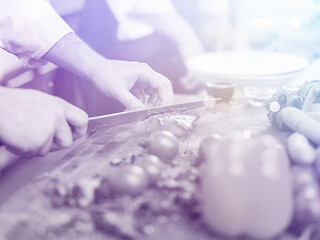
[{"x": 127, "y": 99}]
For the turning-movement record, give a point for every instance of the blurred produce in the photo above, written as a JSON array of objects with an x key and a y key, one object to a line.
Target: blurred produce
[
  {"x": 151, "y": 164},
  {"x": 131, "y": 180},
  {"x": 307, "y": 205},
  {"x": 302, "y": 176},
  {"x": 299, "y": 149},
  {"x": 292, "y": 97},
  {"x": 297, "y": 109},
  {"x": 163, "y": 144},
  {"x": 307, "y": 195},
  {"x": 80, "y": 194},
  {"x": 284, "y": 99},
  {"x": 298, "y": 121},
  {"x": 240, "y": 181},
  {"x": 317, "y": 162}
]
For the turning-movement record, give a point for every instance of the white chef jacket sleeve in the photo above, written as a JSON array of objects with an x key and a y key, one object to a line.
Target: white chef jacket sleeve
[
  {"x": 126, "y": 11},
  {"x": 29, "y": 28},
  {"x": 140, "y": 7},
  {"x": 153, "y": 7}
]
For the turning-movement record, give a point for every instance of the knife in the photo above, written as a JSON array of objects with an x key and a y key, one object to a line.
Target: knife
[{"x": 115, "y": 119}]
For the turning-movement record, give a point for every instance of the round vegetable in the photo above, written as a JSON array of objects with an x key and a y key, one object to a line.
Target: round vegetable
[
  {"x": 299, "y": 121},
  {"x": 163, "y": 144},
  {"x": 299, "y": 149},
  {"x": 131, "y": 180},
  {"x": 246, "y": 187},
  {"x": 307, "y": 206},
  {"x": 317, "y": 162},
  {"x": 151, "y": 165},
  {"x": 302, "y": 177}
]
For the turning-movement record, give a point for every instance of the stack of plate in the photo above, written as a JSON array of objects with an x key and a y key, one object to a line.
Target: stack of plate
[{"x": 248, "y": 68}]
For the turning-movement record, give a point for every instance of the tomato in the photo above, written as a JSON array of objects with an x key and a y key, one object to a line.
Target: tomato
[
  {"x": 307, "y": 205},
  {"x": 307, "y": 195},
  {"x": 152, "y": 166},
  {"x": 317, "y": 162},
  {"x": 302, "y": 177},
  {"x": 163, "y": 144},
  {"x": 131, "y": 180}
]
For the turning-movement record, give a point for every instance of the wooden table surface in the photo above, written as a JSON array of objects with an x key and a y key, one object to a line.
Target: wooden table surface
[{"x": 21, "y": 184}]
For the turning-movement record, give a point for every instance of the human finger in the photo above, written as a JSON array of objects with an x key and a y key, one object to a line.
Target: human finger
[
  {"x": 46, "y": 148},
  {"x": 153, "y": 96},
  {"x": 158, "y": 82},
  {"x": 54, "y": 147},
  {"x": 140, "y": 94},
  {"x": 77, "y": 118},
  {"x": 63, "y": 135},
  {"x": 127, "y": 99},
  {"x": 169, "y": 88}
]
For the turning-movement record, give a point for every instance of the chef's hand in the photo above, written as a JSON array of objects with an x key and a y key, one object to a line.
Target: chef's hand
[
  {"x": 113, "y": 78},
  {"x": 132, "y": 83},
  {"x": 33, "y": 123}
]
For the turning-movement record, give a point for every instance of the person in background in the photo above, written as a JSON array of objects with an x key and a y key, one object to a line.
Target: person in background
[
  {"x": 151, "y": 31},
  {"x": 34, "y": 123}
]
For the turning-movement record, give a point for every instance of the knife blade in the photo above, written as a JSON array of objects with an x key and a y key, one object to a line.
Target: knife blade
[{"x": 115, "y": 119}]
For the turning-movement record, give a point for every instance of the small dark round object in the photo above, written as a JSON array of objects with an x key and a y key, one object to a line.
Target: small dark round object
[
  {"x": 222, "y": 90},
  {"x": 129, "y": 180},
  {"x": 103, "y": 192},
  {"x": 302, "y": 177},
  {"x": 307, "y": 206},
  {"x": 152, "y": 166}
]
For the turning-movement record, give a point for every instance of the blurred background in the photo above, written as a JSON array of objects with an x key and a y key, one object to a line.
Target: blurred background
[
  {"x": 286, "y": 25},
  {"x": 291, "y": 26}
]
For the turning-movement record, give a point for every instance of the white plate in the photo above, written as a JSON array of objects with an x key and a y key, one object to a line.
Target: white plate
[{"x": 247, "y": 67}]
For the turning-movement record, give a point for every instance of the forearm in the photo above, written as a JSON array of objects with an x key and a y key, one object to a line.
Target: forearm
[
  {"x": 74, "y": 55},
  {"x": 112, "y": 78}
]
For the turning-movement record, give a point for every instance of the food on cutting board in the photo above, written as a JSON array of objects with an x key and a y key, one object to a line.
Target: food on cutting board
[
  {"x": 304, "y": 159},
  {"x": 297, "y": 109},
  {"x": 140, "y": 192},
  {"x": 178, "y": 123},
  {"x": 299, "y": 121},
  {"x": 307, "y": 196},
  {"x": 131, "y": 180},
  {"x": 152, "y": 166},
  {"x": 283, "y": 99},
  {"x": 232, "y": 186},
  {"x": 299, "y": 149},
  {"x": 246, "y": 187},
  {"x": 162, "y": 144}
]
